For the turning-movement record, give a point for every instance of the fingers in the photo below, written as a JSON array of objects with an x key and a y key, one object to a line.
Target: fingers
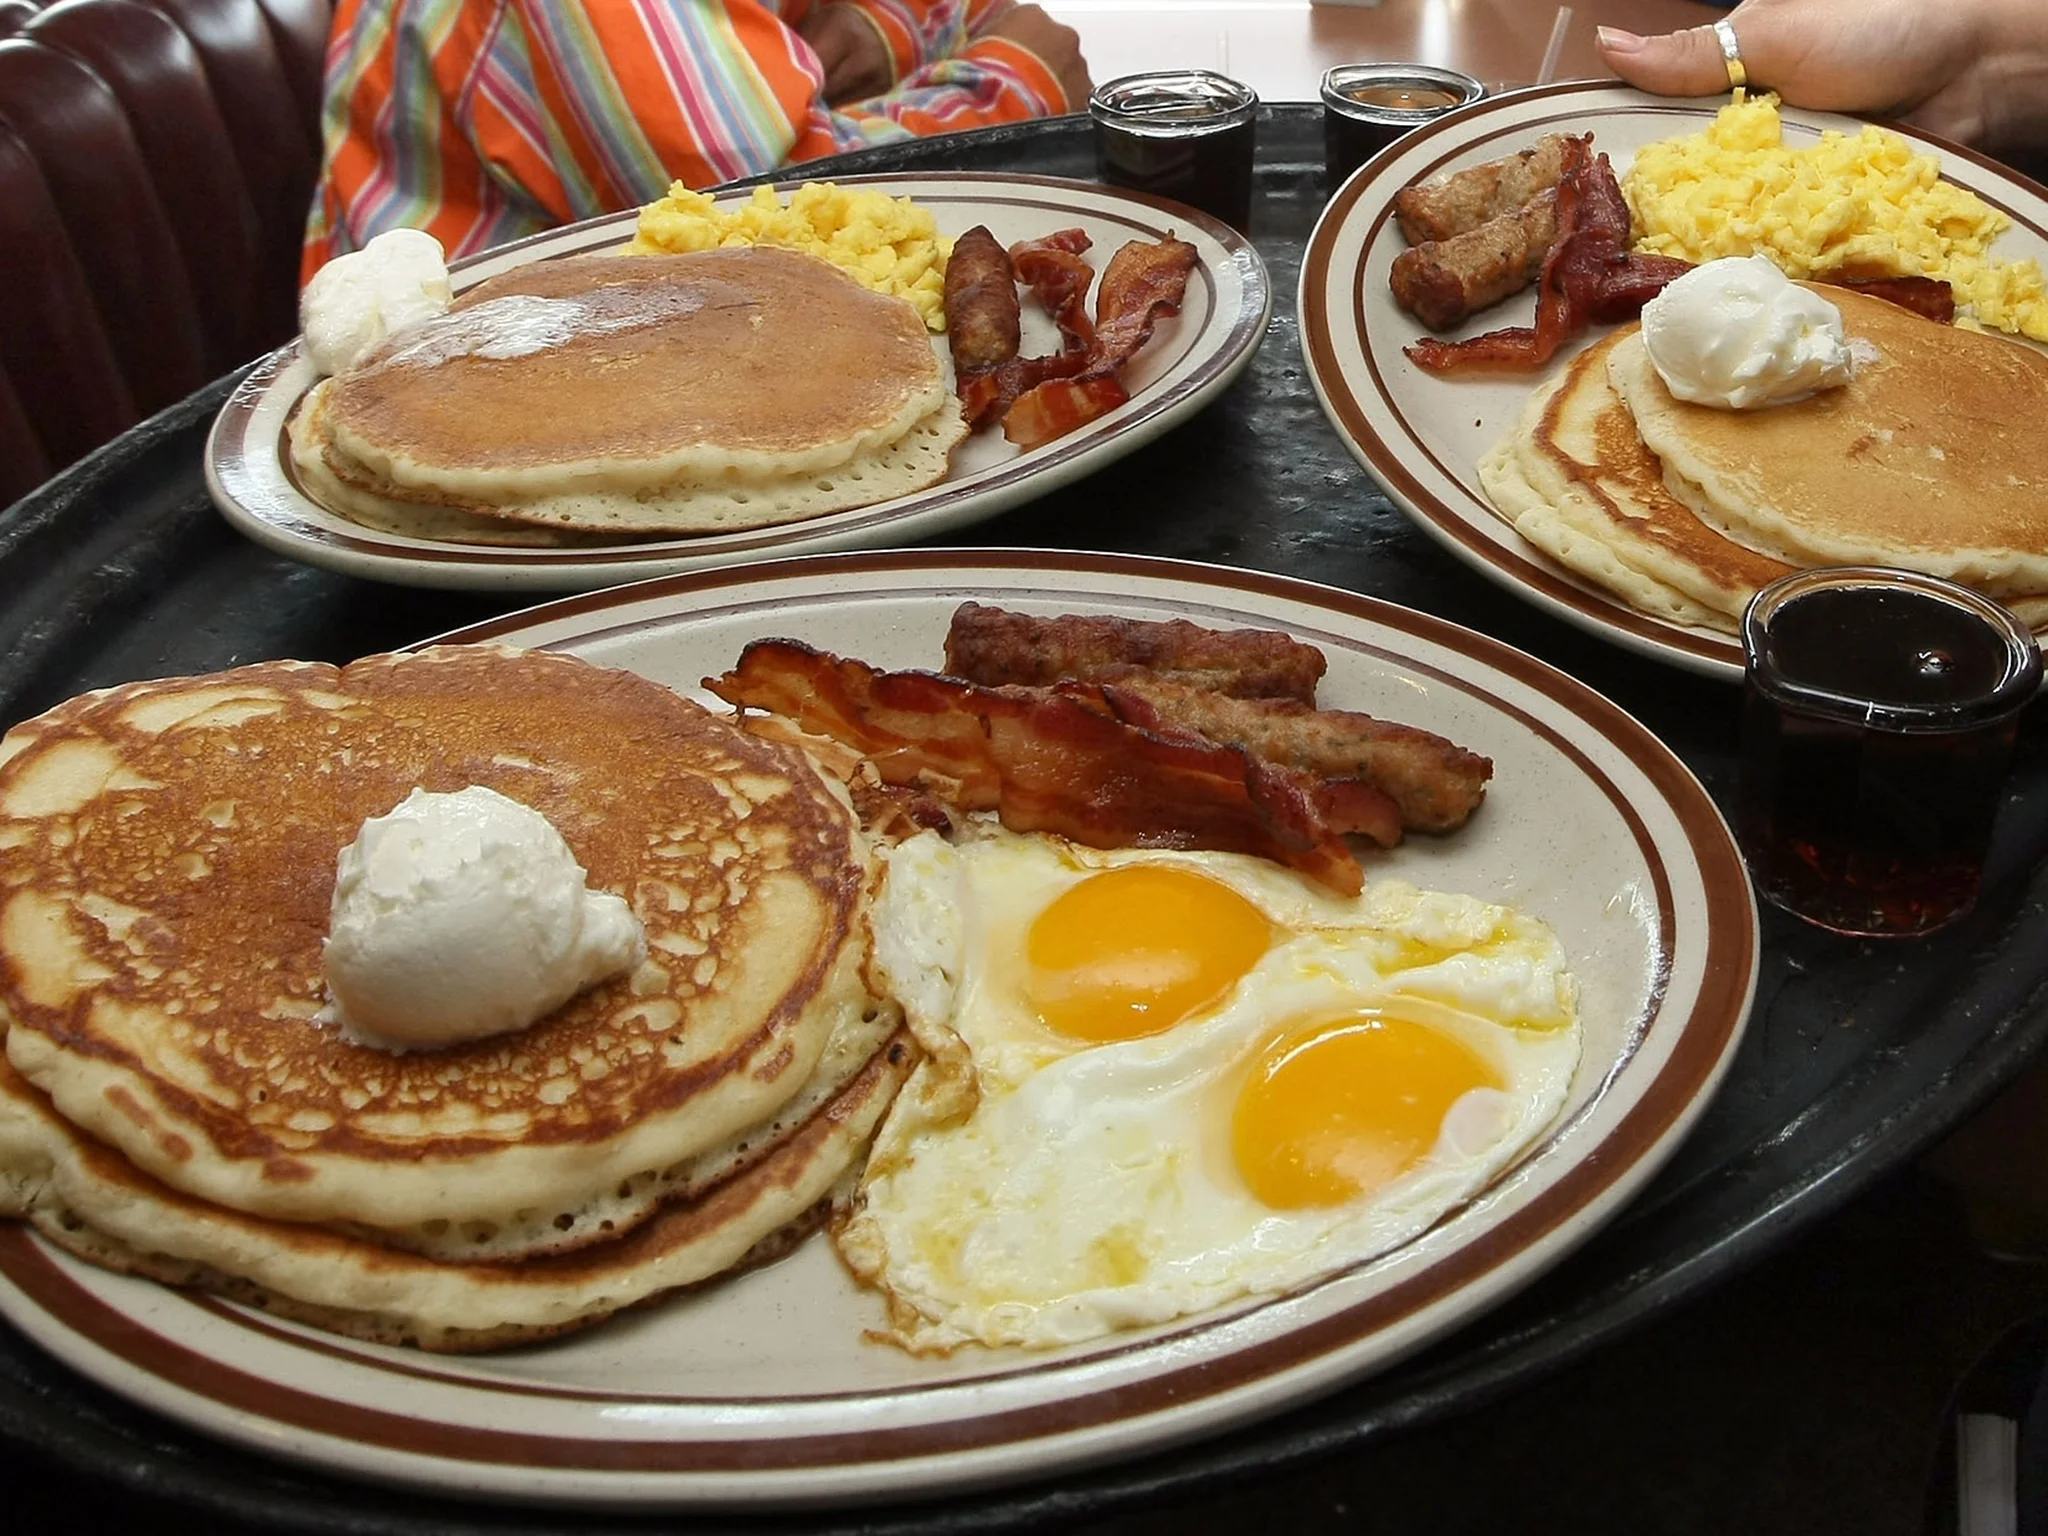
[{"x": 1687, "y": 63}]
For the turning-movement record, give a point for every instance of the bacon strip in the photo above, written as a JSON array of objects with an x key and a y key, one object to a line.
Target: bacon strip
[
  {"x": 996, "y": 647},
  {"x": 1623, "y": 290},
  {"x": 1928, "y": 297},
  {"x": 1048, "y": 760},
  {"x": 1056, "y": 407},
  {"x": 1144, "y": 282}
]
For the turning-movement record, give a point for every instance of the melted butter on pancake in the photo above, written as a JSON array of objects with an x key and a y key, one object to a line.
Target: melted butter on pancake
[{"x": 521, "y": 324}]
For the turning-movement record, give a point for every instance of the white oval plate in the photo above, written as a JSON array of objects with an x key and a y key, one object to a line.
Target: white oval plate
[
  {"x": 1421, "y": 436},
  {"x": 762, "y": 1390},
  {"x": 1191, "y": 358}
]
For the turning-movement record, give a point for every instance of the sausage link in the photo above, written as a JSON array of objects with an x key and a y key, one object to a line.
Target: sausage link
[
  {"x": 1463, "y": 200},
  {"x": 984, "y": 322},
  {"x": 1442, "y": 283}
]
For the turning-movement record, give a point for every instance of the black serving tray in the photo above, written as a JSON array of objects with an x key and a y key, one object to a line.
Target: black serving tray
[{"x": 1859, "y": 1053}]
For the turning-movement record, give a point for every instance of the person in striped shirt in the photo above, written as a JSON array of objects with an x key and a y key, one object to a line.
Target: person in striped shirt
[{"x": 481, "y": 121}]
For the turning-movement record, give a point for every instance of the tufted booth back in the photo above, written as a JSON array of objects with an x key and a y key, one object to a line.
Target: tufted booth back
[{"x": 157, "y": 159}]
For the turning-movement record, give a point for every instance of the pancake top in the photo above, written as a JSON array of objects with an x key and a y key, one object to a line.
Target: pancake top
[
  {"x": 170, "y": 858},
  {"x": 632, "y": 370},
  {"x": 1934, "y": 448}
]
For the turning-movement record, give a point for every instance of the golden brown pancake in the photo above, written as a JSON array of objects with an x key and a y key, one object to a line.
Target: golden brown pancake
[
  {"x": 634, "y": 395},
  {"x": 91, "y": 1201},
  {"x": 1930, "y": 458},
  {"x": 170, "y": 851},
  {"x": 1577, "y": 481}
]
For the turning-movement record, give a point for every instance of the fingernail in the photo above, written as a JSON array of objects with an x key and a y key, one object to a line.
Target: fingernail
[{"x": 1614, "y": 40}]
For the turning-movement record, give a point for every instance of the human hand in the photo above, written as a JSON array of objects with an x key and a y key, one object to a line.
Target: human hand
[
  {"x": 856, "y": 57},
  {"x": 1931, "y": 60},
  {"x": 1057, "y": 46}
]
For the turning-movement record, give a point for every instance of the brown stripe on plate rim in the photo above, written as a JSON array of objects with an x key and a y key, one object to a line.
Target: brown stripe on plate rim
[
  {"x": 1243, "y": 333},
  {"x": 1670, "y": 1099}
]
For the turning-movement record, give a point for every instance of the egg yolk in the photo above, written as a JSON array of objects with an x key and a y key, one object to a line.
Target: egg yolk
[
  {"x": 1134, "y": 950},
  {"x": 1344, "y": 1106}
]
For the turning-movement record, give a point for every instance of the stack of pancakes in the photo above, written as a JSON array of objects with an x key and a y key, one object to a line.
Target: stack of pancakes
[
  {"x": 1930, "y": 459},
  {"x": 170, "y": 1106},
  {"x": 597, "y": 398}
]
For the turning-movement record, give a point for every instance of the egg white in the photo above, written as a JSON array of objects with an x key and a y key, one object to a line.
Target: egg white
[{"x": 1073, "y": 1189}]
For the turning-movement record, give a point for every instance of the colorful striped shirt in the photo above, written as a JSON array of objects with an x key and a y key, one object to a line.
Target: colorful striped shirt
[{"x": 481, "y": 121}]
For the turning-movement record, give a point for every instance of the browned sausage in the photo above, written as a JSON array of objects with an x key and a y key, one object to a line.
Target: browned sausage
[
  {"x": 1451, "y": 204},
  {"x": 1444, "y": 282},
  {"x": 983, "y": 318}
]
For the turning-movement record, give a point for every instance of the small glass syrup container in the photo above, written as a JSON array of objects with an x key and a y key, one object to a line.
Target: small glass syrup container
[
  {"x": 1184, "y": 134},
  {"x": 1879, "y": 718},
  {"x": 1366, "y": 107}
]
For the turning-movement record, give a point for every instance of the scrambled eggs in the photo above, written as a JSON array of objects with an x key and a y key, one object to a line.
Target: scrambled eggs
[
  {"x": 889, "y": 243},
  {"x": 1863, "y": 205}
]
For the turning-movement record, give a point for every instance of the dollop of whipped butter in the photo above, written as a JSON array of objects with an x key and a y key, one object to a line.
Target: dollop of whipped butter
[
  {"x": 357, "y": 302},
  {"x": 1738, "y": 334},
  {"x": 461, "y": 916}
]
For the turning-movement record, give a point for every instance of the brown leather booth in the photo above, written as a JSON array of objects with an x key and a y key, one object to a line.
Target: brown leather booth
[{"x": 157, "y": 159}]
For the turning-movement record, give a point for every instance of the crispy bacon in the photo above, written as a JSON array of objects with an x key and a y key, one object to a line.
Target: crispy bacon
[
  {"x": 1623, "y": 291},
  {"x": 1074, "y": 242},
  {"x": 1052, "y": 268},
  {"x": 1058, "y": 278},
  {"x": 1056, "y": 407},
  {"x": 995, "y": 647},
  {"x": 1048, "y": 760},
  {"x": 1144, "y": 282}
]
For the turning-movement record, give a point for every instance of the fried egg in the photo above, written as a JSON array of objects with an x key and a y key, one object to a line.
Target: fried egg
[{"x": 1192, "y": 1078}]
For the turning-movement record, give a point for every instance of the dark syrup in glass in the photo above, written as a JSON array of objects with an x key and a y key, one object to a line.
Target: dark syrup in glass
[
  {"x": 1863, "y": 808},
  {"x": 1189, "y": 135}
]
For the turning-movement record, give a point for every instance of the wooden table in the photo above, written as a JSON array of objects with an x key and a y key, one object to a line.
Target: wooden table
[{"x": 1281, "y": 47}]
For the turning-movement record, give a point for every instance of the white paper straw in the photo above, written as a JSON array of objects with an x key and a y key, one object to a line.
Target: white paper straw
[{"x": 1555, "y": 49}]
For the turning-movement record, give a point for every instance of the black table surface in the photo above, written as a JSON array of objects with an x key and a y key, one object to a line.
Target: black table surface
[{"x": 1857, "y": 1056}]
